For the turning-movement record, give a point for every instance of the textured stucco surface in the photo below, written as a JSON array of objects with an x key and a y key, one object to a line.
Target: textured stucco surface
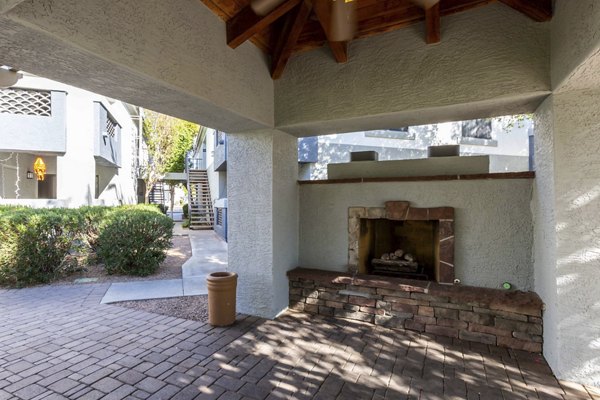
[
  {"x": 166, "y": 56},
  {"x": 262, "y": 218},
  {"x": 575, "y": 44},
  {"x": 285, "y": 216},
  {"x": 576, "y": 118},
  {"x": 544, "y": 219},
  {"x": 6, "y": 5},
  {"x": 493, "y": 224},
  {"x": 31, "y": 133},
  {"x": 489, "y": 60}
]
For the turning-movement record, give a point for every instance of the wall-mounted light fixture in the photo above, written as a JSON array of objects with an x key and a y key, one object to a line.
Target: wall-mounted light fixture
[
  {"x": 39, "y": 167},
  {"x": 8, "y": 76},
  {"x": 29, "y": 175}
]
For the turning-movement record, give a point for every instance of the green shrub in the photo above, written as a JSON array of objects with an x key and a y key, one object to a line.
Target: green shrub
[
  {"x": 185, "y": 223},
  {"x": 185, "y": 210},
  {"x": 34, "y": 244},
  {"x": 92, "y": 217},
  {"x": 133, "y": 240}
]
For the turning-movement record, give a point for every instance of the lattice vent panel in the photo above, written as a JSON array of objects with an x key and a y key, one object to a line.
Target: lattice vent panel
[
  {"x": 26, "y": 102},
  {"x": 111, "y": 127}
]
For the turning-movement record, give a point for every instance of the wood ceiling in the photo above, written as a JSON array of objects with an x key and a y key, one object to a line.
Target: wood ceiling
[{"x": 300, "y": 25}]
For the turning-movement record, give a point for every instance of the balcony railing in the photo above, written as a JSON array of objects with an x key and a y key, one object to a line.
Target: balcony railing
[
  {"x": 33, "y": 120},
  {"x": 107, "y": 143}
]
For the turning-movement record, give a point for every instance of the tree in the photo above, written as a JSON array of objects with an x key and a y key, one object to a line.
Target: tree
[{"x": 168, "y": 140}]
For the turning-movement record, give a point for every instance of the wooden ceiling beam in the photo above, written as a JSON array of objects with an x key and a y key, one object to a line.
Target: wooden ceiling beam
[
  {"x": 246, "y": 23},
  {"x": 323, "y": 13},
  {"x": 340, "y": 51},
  {"x": 433, "y": 24},
  {"x": 537, "y": 10},
  {"x": 289, "y": 37}
]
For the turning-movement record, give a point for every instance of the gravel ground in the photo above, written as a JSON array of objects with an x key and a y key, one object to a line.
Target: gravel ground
[
  {"x": 179, "y": 253},
  {"x": 188, "y": 307}
]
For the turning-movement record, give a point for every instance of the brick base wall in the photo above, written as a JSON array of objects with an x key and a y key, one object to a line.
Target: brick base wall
[{"x": 505, "y": 318}]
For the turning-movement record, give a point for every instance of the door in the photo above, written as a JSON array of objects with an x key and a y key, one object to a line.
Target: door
[{"x": 47, "y": 187}]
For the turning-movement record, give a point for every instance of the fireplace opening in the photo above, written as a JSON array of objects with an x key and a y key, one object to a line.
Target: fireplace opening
[
  {"x": 406, "y": 249},
  {"x": 379, "y": 239}
]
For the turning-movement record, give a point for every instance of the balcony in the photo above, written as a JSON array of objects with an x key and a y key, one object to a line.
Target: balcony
[
  {"x": 107, "y": 138},
  {"x": 33, "y": 121}
]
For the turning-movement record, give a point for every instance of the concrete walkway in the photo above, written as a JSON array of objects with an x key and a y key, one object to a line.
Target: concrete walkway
[{"x": 209, "y": 254}]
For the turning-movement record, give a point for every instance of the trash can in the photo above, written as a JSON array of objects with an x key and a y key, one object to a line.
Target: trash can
[{"x": 221, "y": 298}]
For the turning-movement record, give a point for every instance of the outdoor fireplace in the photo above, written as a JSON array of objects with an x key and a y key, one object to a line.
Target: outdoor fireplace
[{"x": 402, "y": 241}]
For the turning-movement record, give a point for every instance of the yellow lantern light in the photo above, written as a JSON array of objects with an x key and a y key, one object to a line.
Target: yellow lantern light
[{"x": 39, "y": 167}]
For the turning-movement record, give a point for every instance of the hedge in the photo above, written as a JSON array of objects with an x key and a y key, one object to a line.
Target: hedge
[
  {"x": 134, "y": 243},
  {"x": 36, "y": 245}
]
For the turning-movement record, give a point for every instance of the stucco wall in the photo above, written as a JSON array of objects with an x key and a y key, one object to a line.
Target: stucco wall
[
  {"x": 285, "y": 215},
  {"x": 493, "y": 225},
  {"x": 576, "y": 126},
  {"x": 166, "y": 56},
  {"x": 262, "y": 218},
  {"x": 575, "y": 44},
  {"x": 543, "y": 208},
  {"x": 27, "y": 188},
  {"x": 491, "y": 61},
  {"x": 35, "y": 132}
]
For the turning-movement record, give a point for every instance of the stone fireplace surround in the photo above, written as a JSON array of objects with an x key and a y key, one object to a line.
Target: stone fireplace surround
[
  {"x": 511, "y": 319},
  {"x": 402, "y": 211}
]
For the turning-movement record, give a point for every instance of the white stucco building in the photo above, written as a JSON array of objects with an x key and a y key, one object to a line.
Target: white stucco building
[
  {"x": 89, "y": 143},
  {"x": 506, "y": 139}
]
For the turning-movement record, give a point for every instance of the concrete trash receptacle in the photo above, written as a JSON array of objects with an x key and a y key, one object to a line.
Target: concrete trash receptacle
[{"x": 221, "y": 298}]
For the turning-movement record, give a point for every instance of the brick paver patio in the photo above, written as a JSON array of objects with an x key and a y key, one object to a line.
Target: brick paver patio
[{"x": 58, "y": 342}]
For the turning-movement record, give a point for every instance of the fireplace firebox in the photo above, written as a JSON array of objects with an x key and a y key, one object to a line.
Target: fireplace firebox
[{"x": 402, "y": 241}]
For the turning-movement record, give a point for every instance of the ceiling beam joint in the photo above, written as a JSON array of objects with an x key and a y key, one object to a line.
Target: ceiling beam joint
[
  {"x": 537, "y": 10},
  {"x": 247, "y": 23},
  {"x": 289, "y": 37},
  {"x": 433, "y": 24}
]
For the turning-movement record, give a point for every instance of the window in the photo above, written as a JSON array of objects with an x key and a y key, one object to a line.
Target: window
[
  {"x": 219, "y": 217},
  {"x": 477, "y": 129},
  {"x": 478, "y": 132}
]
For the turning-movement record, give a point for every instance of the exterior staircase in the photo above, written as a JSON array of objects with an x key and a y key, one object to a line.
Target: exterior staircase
[
  {"x": 200, "y": 203},
  {"x": 157, "y": 194}
]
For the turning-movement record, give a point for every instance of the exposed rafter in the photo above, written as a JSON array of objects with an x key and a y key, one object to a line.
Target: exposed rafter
[
  {"x": 284, "y": 28},
  {"x": 538, "y": 10},
  {"x": 289, "y": 36},
  {"x": 246, "y": 23},
  {"x": 323, "y": 13},
  {"x": 433, "y": 24},
  {"x": 340, "y": 51}
]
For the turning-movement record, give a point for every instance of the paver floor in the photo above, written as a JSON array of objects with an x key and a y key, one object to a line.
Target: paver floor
[{"x": 58, "y": 342}]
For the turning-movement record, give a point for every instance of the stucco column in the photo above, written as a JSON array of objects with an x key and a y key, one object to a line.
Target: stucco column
[
  {"x": 262, "y": 192},
  {"x": 567, "y": 233}
]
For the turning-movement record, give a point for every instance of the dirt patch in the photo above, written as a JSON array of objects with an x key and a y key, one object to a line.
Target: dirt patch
[
  {"x": 179, "y": 253},
  {"x": 188, "y": 307}
]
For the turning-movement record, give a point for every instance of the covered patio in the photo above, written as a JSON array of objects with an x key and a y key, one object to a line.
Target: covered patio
[{"x": 452, "y": 60}]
